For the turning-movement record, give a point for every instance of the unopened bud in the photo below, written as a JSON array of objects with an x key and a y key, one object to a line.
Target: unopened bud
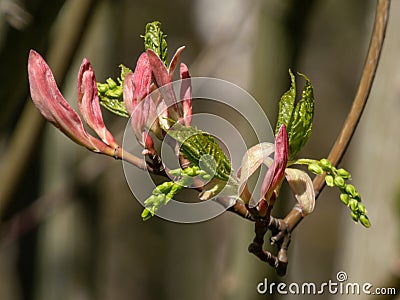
[
  {"x": 344, "y": 198},
  {"x": 355, "y": 216},
  {"x": 343, "y": 173},
  {"x": 325, "y": 164},
  {"x": 146, "y": 214},
  {"x": 339, "y": 181},
  {"x": 165, "y": 187},
  {"x": 353, "y": 204},
  {"x": 329, "y": 180},
  {"x": 361, "y": 209},
  {"x": 365, "y": 221},
  {"x": 316, "y": 169},
  {"x": 176, "y": 172},
  {"x": 351, "y": 190}
]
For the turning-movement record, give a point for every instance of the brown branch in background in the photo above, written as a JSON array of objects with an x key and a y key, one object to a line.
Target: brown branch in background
[
  {"x": 359, "y": 102},
  {"x": 31, "y": 123},
  {"x": 281, "y": 229}
]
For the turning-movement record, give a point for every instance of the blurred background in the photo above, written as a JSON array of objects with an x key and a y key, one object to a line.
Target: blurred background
[{"x": 70, "y": 227}]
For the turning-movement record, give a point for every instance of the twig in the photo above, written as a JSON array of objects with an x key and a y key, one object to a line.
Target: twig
[
  {"x": 343, "y": 140},
  {"x": 281, "y": 233}
]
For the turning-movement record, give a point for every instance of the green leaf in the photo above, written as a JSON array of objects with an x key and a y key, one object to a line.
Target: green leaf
[
  {"x": 299, "y": 128},
  {"x": 197, "y": 146},
  {"x": 286, "y": 105},
  {"x": 154, "y": 39},
  {"x": 110, "y": 94}
]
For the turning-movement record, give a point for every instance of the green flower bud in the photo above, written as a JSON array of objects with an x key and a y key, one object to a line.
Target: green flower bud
[
  {"x": 165, "y": 187},
  {"x": 343, "y": 173},
  {"x": 353, "y": 204},
  {"x": 325, "y": 164},
  {"x": 329, "y": 180},
  {"x": 315, "y": 168},
  {"x": 191, "y": 171},
  {"x": 339, "y": 181},
  {"x": 365, "y": 221},
  {"x": 176, "y": 172},
  {"x": 345, "y": 198},
  {"x": 206, "y": 176},
  {"x": 351, "y": 190},
  {"x": 355, "y": 216},
  {"x": 362, "y": 209},
  {"x": 146, "y": 214},
  {"x": 357, "y": 196}
]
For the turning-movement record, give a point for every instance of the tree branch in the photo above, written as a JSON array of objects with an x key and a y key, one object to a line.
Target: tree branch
[
  {"x": 282, "y": 229},
  {"x": 343, "y": 140}
]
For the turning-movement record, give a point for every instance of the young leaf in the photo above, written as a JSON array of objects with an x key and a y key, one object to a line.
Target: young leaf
[
  {"x": 286, "y": 105},
  {"x": 154, "y": 39},
  {"x": 299, "y": 128},
  {"x": 110, "y": 94},
  {"x": 195, "y": 144}
]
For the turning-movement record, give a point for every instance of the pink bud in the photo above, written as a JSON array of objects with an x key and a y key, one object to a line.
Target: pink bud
[
  {"x": 276, "y": 172},
  {"x": 89, "y": 105},
  {"x": 163, "y": 80},
  {"x": 186, "y": 94},
  {"x": 142, "y": 78},
  {"x": 174, "y": 61},
  {"x": 47, "y": 98}
]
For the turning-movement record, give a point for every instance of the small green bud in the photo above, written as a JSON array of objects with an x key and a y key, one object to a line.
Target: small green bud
[
  {"x": 191, "y": 171},
  {"x": 345, "y": 198},
  {"x": 357, "y": 196},
  {"x": 365, "y": 221},
  {"x": 147, "y": 214},
  {"x": 343, "y": 173},
  {"x": 351, "y": 190},
  {"x": 329, "y": 180},
  {"x": 315, "y": 168},
  {"x": 165, "y": 187},
  {"x": 325, "y": 164},
  {"x": 206, "y": 176},
  {"x": 339, "y": 181},
  {"x": 353, "y": 204},
  {"x": 362, "y": 209},
  {"x": 111, "y": 83},
  {"x": 176, "y": 172},
  {"x": 355, "y": 216}
]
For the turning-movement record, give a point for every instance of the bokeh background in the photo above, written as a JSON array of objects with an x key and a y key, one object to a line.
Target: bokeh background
[{"x": 70, "y": 227}]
